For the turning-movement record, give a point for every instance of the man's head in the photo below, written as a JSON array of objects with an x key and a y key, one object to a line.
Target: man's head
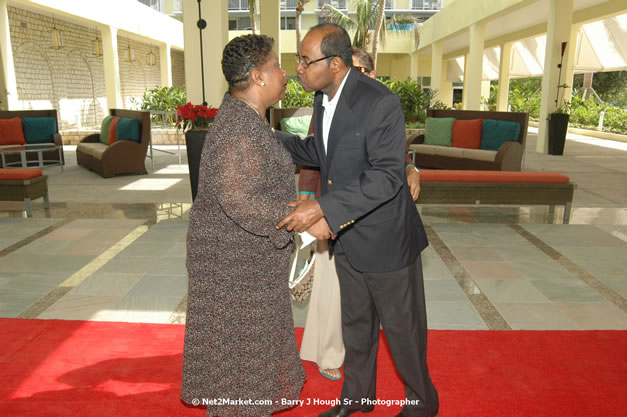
[{"x": 325, "y": 56}]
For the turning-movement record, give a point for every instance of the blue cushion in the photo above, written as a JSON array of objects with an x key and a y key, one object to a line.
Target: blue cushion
[
  {"x": 496, "y": 132},
  {"x": 39, "y": 129},
  {"x": 128, "y": 129}
]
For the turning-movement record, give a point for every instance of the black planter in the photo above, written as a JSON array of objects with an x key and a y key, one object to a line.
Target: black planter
[
  {"x": 558, "y": 127},
  {"x": 194, "y": 141}
]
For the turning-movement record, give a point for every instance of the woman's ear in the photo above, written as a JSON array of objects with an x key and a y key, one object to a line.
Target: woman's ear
[{"x": 256, "y": 76}]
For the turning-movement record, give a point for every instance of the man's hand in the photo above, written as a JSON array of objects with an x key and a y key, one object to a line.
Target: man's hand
[
  {"x": 321, "y": 230},
  {"x": 413, "y": 179},
  {"x": 303, "y": 196},
  {"x": 303, "y": 217}
]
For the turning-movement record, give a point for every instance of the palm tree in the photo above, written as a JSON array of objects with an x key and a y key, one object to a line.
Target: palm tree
[
  {"x": 251, "y": 8},
  {"x": 300, "y": 7},
  {"x": 370, "y": 13},
  {"x": 377, "y": 30}
]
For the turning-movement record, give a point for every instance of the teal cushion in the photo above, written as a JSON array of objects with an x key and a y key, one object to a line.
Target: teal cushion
[
  {"x": 39, "y": 129},
  {"x": 439, "y": 131},
  {"x": 128, "y": 129},
  {"x": 104, "y": 129},
  {"x": 496, "y": 132},
  {"x": 298, "y": 125}
]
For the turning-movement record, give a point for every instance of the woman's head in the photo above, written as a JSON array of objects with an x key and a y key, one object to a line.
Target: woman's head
[
  {"x": 249, "y": 61},
  {"x": 363, "y": 62}
]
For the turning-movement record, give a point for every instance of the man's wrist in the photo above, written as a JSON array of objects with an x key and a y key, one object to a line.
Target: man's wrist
[{"x": 411, "y": 166}]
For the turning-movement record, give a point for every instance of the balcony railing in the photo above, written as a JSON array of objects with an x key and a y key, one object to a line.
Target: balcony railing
[
  {"x": 338, "y": 4},
  {"x": 238, "y": 4}
]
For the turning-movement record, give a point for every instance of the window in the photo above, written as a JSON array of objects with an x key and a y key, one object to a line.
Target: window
[
  {"x": 288, "y": 4},
  {"x": 155, "y": 4},
  {"x": 390, "y": 4},
  {"x": 338, "y": 4},
  {"x": 288, "y": 23},
  {"x": 238, "y": 4},
  {"x": 426, "y": 4},
  {"x": 239, "y": 23}
]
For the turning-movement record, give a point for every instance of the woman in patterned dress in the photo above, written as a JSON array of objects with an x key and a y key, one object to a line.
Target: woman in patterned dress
[{"x": 240, "y": 356}]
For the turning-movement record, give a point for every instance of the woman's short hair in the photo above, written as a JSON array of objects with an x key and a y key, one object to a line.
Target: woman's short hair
[
  {"x": 364, "y": 58},
  {"x": 241, "y": 55},
  {"x": 335, "y": 42}
]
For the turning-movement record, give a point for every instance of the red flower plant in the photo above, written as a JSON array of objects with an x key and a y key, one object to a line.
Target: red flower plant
[{"x": 192, "y": 116}]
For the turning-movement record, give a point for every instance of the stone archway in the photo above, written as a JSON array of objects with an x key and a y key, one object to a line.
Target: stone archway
[
  {"x": 79, "y": 108},
  {"x": 34, "y": 77}
]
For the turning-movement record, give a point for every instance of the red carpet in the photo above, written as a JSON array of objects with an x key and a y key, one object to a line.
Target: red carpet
[{"x": 95, "y": 369}]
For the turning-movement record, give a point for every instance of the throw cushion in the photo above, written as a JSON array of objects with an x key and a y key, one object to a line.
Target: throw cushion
[
  {"x": 112, "y": 131},
  {"x": 128, "y": 129},
  {"x": 39, "y": 129},
  {"x": 439, "y": 131},
  {"x": 298, "y": 125},
  {"x": 467, "y": 133},
  {"x": 11, "y": 132},
  {"x": 104, "y": 129},
  {"x": 494, "y": 133}
]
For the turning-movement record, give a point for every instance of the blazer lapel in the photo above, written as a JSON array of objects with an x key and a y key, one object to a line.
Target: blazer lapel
[{"x": 318, "y": 112}]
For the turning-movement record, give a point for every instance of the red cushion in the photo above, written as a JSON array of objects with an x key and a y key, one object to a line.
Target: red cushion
[
  {"x": 467, "y": 133},
  {"x": 491, "y": 176},
  {"x": 113, "y": 137},
  {"x": 19, "y": 173},
  {"x": 11, "y": 132}
]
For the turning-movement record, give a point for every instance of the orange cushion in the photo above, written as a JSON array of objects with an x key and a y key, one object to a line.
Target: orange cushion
[
  {"x": 19, "y": 173},
  {"x": 11, "y": 132},
  {"x": 112, "y": 130},
  {"x": 467, "y": 133},
  {"x": 491, "y": 176}
]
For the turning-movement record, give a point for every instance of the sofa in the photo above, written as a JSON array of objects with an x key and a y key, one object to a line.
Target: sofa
[
  {"x": 478, "y": 140},
  {"x": 110, "y": 155},
  {"x": 33, "y": 127}
]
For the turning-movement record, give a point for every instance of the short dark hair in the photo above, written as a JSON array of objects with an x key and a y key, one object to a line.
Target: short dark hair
[
  {"x": 364, "y": 59},
  {"x": 241, "y": 55},
  {"x": 335, "y": 42}
]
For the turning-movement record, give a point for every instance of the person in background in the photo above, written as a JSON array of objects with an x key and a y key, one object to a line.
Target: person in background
[
  {"x": 239, "y": 334},
  {"x": 322, "y": 340}
]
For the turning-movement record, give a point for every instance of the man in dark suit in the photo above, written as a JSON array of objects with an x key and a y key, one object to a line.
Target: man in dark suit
[{"x": 366, "y": 207}]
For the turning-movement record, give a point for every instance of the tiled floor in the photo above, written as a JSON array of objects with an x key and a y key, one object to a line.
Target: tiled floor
[{"x": 114, "y": 250}]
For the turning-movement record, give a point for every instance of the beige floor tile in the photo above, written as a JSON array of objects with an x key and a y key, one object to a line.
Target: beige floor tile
[
  {"x": 482, "y": 270},
  {"x": 594, "y": 316}
]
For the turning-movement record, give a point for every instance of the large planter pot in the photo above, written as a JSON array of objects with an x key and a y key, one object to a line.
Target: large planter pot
[
  {"x": 558, "y": 127},
  {"x": 194, "y": 141}
]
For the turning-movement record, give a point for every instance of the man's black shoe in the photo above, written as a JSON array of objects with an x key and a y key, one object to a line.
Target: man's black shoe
[{"x": 339, "y": 411}]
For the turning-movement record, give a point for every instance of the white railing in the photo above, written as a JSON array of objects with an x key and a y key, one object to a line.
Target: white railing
[{"x": 426, "y": 4}]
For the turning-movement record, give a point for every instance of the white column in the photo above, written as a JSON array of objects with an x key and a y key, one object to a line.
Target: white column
[
  {"x": 165, "y": 59},
  {"x": 558, "y": 30},
  {"x": 504, "y": 65},
  {"x": 414, "y": 62},
  {"x": 569, "y": 61},
  {"x": 270, "y": 16},
  {"x": 8, "y": 81},
  {"x": 214, "y": 37},
  {"x": 485, "y": 92},
  {"x": 436, "y": 66},
  {"x": 465, "y": 89},
  {"x": 475, "y": 66},
  {"x": 111, "y": 66}
]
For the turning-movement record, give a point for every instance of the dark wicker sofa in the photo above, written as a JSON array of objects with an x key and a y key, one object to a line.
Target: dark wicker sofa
[
  {"x": 52, "y": 155},
  {"x": 122, "y": 156}
]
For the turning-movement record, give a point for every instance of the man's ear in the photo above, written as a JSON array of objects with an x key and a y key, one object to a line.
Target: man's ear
[{"x": 336, "y": 64}]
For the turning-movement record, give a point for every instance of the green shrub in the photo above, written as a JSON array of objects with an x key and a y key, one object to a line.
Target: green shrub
[
  {"x": 163, "y": 99},
  {"x": 296, "y": 96},
  {"x": 414, "y": 100}
]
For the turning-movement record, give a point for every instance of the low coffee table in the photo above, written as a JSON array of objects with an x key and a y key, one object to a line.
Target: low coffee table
[{"x": 24, "y": 150}]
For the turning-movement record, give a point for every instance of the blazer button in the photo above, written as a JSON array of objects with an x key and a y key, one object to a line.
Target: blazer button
[{"x": 329, "y": 182}]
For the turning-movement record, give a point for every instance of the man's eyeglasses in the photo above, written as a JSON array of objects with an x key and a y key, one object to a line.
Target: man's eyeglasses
[
  {"x": 305, "y": 64},
  {"x": 363, "y": 70}
]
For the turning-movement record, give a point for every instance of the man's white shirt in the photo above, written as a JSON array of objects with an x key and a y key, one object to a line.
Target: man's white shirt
[{"x": 329, "y": 110}]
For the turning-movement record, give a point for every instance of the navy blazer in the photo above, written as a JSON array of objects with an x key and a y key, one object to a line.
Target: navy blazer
[{"x": 365, "y": 196}]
